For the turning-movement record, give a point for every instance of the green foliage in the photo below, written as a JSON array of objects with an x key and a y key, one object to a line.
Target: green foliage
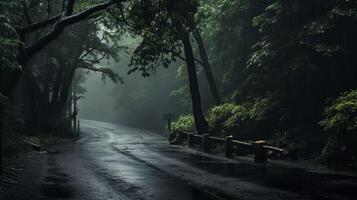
[
  {"x": 184, "y": 123},
  {"x": 9, "y": 44},
  {"x": 261, "y": 108},
  {"x": 301, "y": 55},
  {"x": 247, "y": 120},
  {"x": 219, "y": 114},
  {"x": 228, "y": 34},
  {"x": 271, "y": 16},
  {"x": 341, "y": 114},
  {"x": 158, "y": 41},
  {"x": 154, "y": 22},
  {"x": 286, "y": 140},
  {"x": 8, "y": 36},
  {"x": 340, "y": 121},
  {"x": 302, "y": 51},
  {"x": 253, "y": 119},
  {"x": 239, "y": 116}
]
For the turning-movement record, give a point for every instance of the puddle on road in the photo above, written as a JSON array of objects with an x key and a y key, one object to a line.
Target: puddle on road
[
  {"x": 54, "y": 152},
  {"x": 53, "y": 169},
  {"x": 187, "y": 156},
  {"x": 198, "y": 194},
  {"x": 57, "y": 191},
  {"x": 283, "y": 178},
  {"x": 57, "y": 172},
  {"x": 54, "y": 179},
  {"x": 291, "y": 179},
  {"x": 52, "y": 164},
  {"x": 57, "y": 184}
]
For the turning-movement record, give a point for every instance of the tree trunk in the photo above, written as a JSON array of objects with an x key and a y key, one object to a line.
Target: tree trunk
[
  {"x": 31, "y": 97},
  {"x": 69, "y": 109},
  {"x": 1, "y": 130},
  {"x": 206, "y": 65},
  {"x": 66, "y": 86},
  {"x": 200, "y": 121},
  {"x": 69, "y": 7},
  {"x": 75, "y": 109}
]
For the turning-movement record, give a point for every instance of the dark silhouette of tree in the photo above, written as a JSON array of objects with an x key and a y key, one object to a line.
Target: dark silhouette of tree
[{"x": 165, "y": 27}]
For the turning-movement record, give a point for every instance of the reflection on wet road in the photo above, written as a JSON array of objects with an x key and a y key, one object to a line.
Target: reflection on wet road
[
  {"x": 155, "y": 170},
  {"x": 108, "y": 148},
  {"x": 117, "y": 162}
]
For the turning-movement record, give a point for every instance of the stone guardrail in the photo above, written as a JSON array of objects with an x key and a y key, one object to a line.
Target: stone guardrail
[{"x": 259, "y": 148}]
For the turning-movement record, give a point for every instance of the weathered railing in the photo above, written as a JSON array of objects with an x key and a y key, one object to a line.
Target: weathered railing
[{"x": 259, "y": 148}]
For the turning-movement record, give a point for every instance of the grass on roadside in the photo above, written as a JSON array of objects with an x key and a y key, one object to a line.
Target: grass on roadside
[{"x": 17, "y": 145}]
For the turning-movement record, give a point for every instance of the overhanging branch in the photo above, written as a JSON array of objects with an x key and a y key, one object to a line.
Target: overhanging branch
[
  {"x": 38, "y": 25},
  {"x": 61, "y": 24},
  {"x": 106, "y": 71},
  {"x": 4, "y": 98},
  {"x": 195, "y": 59}
]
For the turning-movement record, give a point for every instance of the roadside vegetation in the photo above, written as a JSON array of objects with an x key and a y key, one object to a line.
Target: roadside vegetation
[
  {"x": 279, "y": 70},
  {"x": 285, "y": 74}
]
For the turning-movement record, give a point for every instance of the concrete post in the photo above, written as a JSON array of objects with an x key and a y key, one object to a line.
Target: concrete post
[
  {"x": 78, "y": 128},
  {"x": 228, "y": 147},
  {"x": 189, "y": 139},
  {"x": 260, "y": 154},
  {"x": 169, "y": 125},
  {"x": 205, "y": 143}
]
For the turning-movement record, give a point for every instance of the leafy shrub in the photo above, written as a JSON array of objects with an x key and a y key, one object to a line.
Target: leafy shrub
[
  {"x": 340, "y": 122},
  {"x": 219, "y": 116},
  {"x": 8, "y": 36},
  {"x": 184, "y": 123},
  {"x": 341, "y": 114},
  {"x": 253, "y": 119},
  {"x": 335, "y": 152},
  {"x": 238, "y": 120},
  {"x": 262, "y": 109},
  {"x": 247, "y": 121}
]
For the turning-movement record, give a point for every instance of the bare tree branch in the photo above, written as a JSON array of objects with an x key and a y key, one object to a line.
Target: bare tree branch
[
  {"x": 121, "y": 20},
  {"x": 100, "y": 58},
  {"x": 26, "y": 13},
  {"x": 4, "y": 98},
  {"x": 89, "y": 51},
  {"x": 106, "y": 71},
  {"x": 96, "y": 60},
  {"x": 195, "y": 59},
  {"x": 38, "y": 25},
  {"x": 49, "y": 8},
  {"x": 60, "y": 25}
]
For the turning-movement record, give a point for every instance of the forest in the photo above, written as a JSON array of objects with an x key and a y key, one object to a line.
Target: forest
[{"x": 283, "y": 71}]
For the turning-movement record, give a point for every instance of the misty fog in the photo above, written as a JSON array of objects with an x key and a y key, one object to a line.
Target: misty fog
[
  {"x": 138, "y": 101},
  {"x": 179, "y": 100}
]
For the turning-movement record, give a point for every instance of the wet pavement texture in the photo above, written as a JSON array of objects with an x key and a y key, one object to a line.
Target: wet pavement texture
[{"x": 117, "y": 162}]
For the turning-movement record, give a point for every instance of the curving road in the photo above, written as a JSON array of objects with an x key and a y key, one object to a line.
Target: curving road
[{"x": 111, "y": 161}]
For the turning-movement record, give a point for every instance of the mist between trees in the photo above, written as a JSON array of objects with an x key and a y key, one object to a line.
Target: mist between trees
[
  {"x": 283, "y": 71},
  {"x": 138, "y": 102}
]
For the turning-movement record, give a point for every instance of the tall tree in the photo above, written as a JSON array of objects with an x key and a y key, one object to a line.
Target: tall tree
[
  {"x": 57, "y": 24},
  {"x": 206, "y": 65},
  {"x": 49, "y": 76},
  {"x": 8, "y": 48},
  {"x": 22, "y": 36},
  {"x": 164, "y": 27},
  {"x": 200, "y": 121}
]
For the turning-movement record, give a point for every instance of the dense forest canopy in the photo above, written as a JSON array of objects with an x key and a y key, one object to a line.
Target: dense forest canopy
[{"x": 280, "y": 70}]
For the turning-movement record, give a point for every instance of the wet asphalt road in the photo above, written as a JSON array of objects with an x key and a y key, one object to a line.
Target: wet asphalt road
[{"x": 117, "y": 162}]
